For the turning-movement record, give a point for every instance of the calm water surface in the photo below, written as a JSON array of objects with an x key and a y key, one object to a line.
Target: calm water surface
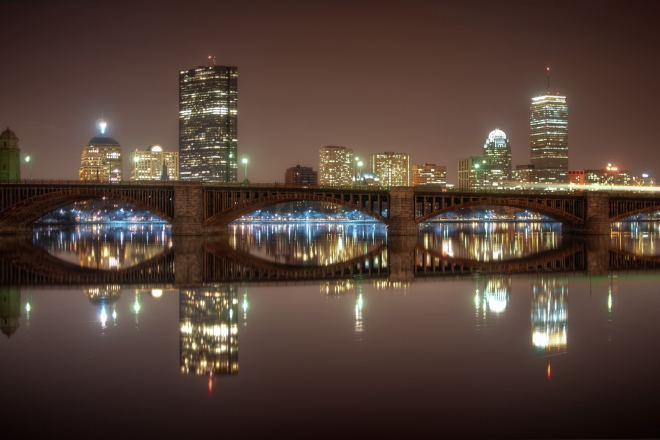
[{"x": 501, "y": 355}]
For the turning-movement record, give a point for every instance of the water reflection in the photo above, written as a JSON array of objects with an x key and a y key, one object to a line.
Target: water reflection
[
  {"x": 640, "y": 238},
  {"x": 550, "y": 314},
  {"x": 487, "y": 242},
  {"x": 209, "y": 330},
  {"x": 493, "y": 299},
  {"x": 105, "y": 247},
  {"x": 308, "y": 244}
]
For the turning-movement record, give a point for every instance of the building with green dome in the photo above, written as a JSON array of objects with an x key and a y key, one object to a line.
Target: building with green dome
[{"x": 10, "y": 156}]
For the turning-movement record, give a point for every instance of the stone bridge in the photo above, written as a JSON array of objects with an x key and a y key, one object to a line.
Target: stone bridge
[{"x": 206, "y": 208}]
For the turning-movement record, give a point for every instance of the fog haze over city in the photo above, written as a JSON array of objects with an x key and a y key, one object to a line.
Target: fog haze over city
[{"x": 431, "y": 79}]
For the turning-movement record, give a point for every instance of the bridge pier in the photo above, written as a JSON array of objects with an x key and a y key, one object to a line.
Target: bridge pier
[
  {"x": 402, "y": 212},
  {"x": 188, "y": 209},
  {"x": 402, "y": 257},
  {"x": 597, "y": 220},
  {"x": 188, "y": 261}
]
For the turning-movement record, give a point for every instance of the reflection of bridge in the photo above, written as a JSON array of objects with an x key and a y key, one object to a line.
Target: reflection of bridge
[
  {"x": 202, "y": 261},
  {"x": 201, "y": 208}
]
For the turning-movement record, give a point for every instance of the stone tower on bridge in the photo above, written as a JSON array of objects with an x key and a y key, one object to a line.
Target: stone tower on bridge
[{"x": 10, "y": 156}]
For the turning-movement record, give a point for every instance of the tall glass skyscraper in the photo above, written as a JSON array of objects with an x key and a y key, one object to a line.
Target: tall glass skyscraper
[
  {"x": 497, "y": 152},
  {"x": 549, "y": 138},
  {"x": 208, "y": 123}
]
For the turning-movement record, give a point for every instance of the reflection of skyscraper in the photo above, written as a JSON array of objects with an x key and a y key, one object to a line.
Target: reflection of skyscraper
[
  {"x": 550, "y": 314},
  {"x": 209, "y": 330},
  {"x": 10, "y": 309},
  {"x": 208, "y": 123}
]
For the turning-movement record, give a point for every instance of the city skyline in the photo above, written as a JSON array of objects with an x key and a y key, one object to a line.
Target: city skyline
[{"x": 444, "y": 107}]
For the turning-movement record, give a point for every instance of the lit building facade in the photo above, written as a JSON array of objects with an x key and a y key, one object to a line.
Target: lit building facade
[
  {"x": 392, "y": 169},
  {"x": 101, "y": 161},
  {"x": 469, "y": 170},
  {"x": 429, "y": 174},
  {"x": 645, "y": 180},
  {"x": 301, "y": 176},
  {"x": 209, "y": 331},
  {"x": 335, "y": 166},
  {"x": 549, "y": 138},
  {"x": 154, "y": 164},
  {"x": 523, "y": 174},
  {"x": 576, "y": 177},
  {"x": 10, "y": 156},
  {"x": 497, "y": 152},
  {"x": 208, "y": 123}
]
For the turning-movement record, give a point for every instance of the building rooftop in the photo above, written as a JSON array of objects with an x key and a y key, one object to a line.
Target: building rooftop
[
  {"x": 102, "y": 140},
  {"x": 7, "y": 134}
]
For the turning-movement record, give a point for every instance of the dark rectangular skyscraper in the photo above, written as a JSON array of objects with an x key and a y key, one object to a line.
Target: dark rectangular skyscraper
[
  {"x": 208, "y": 123},
  {"x": 549, "y": 138}
]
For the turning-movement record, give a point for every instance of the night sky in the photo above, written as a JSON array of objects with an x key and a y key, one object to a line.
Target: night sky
[{"x": 429, "y": 78}]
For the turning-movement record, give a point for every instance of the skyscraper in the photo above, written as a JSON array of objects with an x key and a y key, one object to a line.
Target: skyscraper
[
  {"x": 497, "y": 152},
  {"x": 208, "y": 123},
  {"x": 335, "y": 166},
  {"x": 549, "y": 138}
]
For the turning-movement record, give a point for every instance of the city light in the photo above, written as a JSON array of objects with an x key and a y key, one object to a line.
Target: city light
[{"x": 102, "y": 126}]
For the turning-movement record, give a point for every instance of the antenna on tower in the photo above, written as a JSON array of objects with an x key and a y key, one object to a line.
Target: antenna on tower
[{"x": 548, "y": 69}]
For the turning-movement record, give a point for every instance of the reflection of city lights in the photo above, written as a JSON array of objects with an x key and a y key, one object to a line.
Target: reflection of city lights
[{"x": 103, "y": 317}]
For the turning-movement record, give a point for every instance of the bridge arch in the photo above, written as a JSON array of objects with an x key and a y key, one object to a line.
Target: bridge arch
[
  {"x": 237, "y": 211},
  {"x": 40, "y": 203},
  {"x": 625, "y": 215},
  {"x": 554, "y": 213}
]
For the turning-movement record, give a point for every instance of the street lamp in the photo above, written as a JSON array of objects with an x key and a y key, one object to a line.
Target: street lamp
[
  {"x": 245, "y": 162},
  {"x": 360, "y": 175},
  {"x": 28, "y": 160},
  {"x": 136, "y": 159}
]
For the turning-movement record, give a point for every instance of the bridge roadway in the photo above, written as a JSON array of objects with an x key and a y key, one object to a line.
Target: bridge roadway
[
  {"x": 196, "y": 261},
  {"x": 195, "y": 208}
]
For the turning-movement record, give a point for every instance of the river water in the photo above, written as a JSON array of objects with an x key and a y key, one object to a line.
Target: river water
[{"x": 497, "y": 330}]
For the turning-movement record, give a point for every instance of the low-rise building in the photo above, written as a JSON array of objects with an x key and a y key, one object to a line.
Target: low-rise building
[{"x": 301, "y": 176}]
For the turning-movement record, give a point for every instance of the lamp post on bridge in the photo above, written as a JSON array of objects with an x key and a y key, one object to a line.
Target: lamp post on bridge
[
  {"x": 28, "y": 160},
  {"x": 245, "y": 162},
  {"x": 476, "y": 175}
]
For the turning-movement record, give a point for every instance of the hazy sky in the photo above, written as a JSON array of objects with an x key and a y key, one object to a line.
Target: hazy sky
[{"x": 429, "y": 78}]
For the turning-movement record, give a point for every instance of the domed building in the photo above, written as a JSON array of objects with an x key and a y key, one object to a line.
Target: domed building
[
  {"x": 101, "y": 160},
  {"x": 10, "y": 156}
]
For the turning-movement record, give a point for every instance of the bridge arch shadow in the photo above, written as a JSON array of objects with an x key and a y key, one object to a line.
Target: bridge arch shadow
[{"x": 239, "y": 210}]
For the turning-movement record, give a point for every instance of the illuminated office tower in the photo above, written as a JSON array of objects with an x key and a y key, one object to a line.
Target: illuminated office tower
[
  {"x": 392, "y": 169},
  {"x": 10, "y": 156},
  {"x": 523, "y": 174},
  {"x": 550, "y": 314},
  {"x": 208, "y": 123},
  {"x": 209, "y": 330},
  {"x": 429, "y": 174},
  {"x": 154, "y": 164},
  {"x": 335, "y": 166},
  {"x": 549, "y": 138},
  {"x": 497, "y": 152},
  {"x": 101, "y": 159}
]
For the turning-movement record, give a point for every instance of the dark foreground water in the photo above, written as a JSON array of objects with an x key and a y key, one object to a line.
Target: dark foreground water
[{"x": 490, "y": 350}]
